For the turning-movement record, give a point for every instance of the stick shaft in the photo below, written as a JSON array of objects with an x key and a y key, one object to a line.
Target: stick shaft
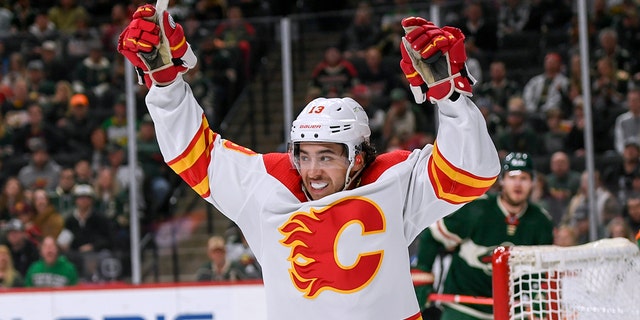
[
  {"x": 162, "y": 5},
  {"x": 457, "y": 298}
]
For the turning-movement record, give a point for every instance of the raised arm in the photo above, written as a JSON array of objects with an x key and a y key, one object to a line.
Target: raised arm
[
  {"x": 464, "y": 159},
  {"x": 215, "y": 168}
]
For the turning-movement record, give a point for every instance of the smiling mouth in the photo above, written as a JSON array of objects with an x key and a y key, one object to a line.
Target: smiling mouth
[{"x": 318, "y": 185}]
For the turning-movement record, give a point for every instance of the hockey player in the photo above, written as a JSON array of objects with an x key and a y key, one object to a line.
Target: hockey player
[
  {"x": 329, "y": 221},
  {"x": 474, "y": 231}
]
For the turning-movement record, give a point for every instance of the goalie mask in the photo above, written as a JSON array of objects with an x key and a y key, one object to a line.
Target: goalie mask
[{"x": 334, "y": 120}]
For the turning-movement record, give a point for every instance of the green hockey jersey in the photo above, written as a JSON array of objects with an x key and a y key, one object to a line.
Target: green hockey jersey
[{"x": 471, "y": 234}]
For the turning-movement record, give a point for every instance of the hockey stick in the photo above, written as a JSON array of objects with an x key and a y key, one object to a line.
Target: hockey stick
[
  {"x": 458, "y": 298},
  {"x": 162, "y": 5}
]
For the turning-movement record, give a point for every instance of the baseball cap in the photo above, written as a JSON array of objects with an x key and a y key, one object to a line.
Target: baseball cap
[
  {"x": 215, "y": 243},
  {"x": 49, "y": 45},
  {"x": 35, "y": 65},
  {"x": 79, "y": 99},
  {"x": 83, "y": 190},
  {"x": 14, "y": 225},
  {"x": 37, "y": 144}
]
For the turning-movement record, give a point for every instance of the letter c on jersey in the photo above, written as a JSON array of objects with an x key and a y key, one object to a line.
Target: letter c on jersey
[{"x": 313, "y": 238}]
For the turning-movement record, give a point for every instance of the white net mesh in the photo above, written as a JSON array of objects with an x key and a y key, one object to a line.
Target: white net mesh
[{"x": 599, "y": 280}]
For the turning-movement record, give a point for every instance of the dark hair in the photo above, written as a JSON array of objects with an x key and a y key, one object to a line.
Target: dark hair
[{"x": 370, "y": 152}]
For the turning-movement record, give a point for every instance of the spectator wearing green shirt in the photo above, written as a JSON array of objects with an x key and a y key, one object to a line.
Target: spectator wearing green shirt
[{"x": 52, "y": 270}]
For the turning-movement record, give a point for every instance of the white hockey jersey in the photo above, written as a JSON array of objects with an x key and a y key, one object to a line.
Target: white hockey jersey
[{"x": 344, "y": 256}]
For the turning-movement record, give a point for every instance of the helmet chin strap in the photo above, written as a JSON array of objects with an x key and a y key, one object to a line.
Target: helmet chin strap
[{"x": 349, "y": 180}]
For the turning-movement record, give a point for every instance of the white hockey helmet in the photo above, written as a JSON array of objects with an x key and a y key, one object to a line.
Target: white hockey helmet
[{"x": 337, "y": 120}]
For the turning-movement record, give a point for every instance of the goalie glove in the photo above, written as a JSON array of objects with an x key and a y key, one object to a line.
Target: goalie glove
[
  {"x": 156, "y": 46},
  {"x": 433, "y": 60}
]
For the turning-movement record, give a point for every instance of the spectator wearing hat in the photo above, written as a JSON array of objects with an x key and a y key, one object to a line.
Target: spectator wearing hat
[
  {"x": 54, "y": 67},
  {"x": 91, "y": 231},
  {"x": 41, "y": 171},
  {"x": 76, "y": 130},
  {"x": 23, "y": 251},
  {"x": 219, "y": 267},
  {"x": 40, "y": 87}
]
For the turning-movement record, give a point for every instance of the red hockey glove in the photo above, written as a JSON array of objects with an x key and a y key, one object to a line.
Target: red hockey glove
[
  {"x": 433, "y": 60},
  {"x": 156, "y": 46}
]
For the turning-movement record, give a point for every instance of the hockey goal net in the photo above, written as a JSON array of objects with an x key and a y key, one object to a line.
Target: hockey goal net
[{"x": 598, "y": 280}]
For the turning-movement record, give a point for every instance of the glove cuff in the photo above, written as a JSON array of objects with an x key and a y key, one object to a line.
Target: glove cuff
[{"x": 444, "y": 88}]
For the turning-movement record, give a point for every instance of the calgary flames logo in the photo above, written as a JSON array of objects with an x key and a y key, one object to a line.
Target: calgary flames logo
[{"x": 313, "y": 237}]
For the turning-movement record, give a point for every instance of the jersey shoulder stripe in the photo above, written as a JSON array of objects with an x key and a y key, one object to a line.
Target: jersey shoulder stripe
[
  {"x": 381, "y": 164},
  {"x": 279, "y": 166}
]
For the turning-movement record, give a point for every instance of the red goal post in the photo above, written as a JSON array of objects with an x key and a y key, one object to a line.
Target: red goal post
[{"x": 597, "y": 280}]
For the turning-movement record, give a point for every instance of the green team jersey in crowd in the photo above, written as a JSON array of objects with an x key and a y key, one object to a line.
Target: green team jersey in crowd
[
  {"x": 61, "y": 273},
  {"x": 473, "y": 232}
]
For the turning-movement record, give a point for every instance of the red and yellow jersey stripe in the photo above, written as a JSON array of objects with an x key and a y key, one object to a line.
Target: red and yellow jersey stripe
[
  {"x": 193, "y": 162},
  {"x": 453, "y": 184}
]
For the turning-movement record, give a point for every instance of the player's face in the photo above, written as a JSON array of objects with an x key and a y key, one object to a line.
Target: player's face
[
  {"x": 516, "y": 187},
  {"x": 323, "y": 168}
]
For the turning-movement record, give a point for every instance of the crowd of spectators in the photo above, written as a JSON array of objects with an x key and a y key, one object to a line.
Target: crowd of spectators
[{"x": 64, "y": 172}]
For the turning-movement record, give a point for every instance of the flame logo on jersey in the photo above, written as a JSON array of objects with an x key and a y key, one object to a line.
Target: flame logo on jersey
[{"x": 313, "y": 238}]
